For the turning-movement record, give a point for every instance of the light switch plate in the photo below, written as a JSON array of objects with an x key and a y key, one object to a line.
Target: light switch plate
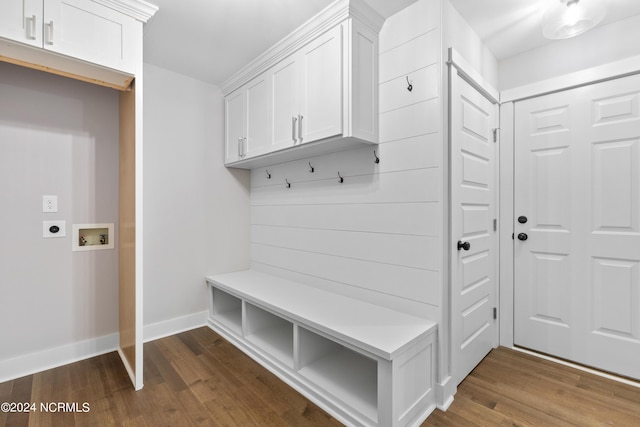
[
  {"x": 47, "y": 232},
  {"x": 49, "y": 203}
]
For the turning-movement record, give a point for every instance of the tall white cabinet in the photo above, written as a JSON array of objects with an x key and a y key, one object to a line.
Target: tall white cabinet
[{"x": 100, "y": 42}]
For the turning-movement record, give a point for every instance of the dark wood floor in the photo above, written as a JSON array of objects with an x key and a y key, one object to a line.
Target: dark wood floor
[{"x": 198, "y": 379}]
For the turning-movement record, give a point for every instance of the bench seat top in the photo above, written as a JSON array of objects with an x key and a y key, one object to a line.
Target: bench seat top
[{"x": 376, "y": 329}]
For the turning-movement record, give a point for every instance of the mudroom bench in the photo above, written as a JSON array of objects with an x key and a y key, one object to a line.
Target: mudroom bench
[{"x": 363, "y": 363}]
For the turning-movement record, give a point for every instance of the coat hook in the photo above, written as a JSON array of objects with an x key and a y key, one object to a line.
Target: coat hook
[
  {"x": 377, "y": 160},
  {"x": 287, "y": 183},
  {"x": 268, "y": 174},
  {"x": 311, "y": 168},
  {"x": 340, "y": 179},
  {"x": 410, "y": 86}
]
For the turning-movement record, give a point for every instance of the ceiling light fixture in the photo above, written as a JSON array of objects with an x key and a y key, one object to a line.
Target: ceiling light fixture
[{"x": 568, "y": 18}]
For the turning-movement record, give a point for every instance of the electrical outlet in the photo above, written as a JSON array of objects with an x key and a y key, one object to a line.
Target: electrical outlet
[
  {"x": 53, "y": 229},
  {"x": 49, "y": 203}
]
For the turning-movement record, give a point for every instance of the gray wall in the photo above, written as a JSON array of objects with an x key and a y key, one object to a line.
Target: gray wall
[
  {"x": 57, "y": 136},
  {"x": 196, "y": 212}
]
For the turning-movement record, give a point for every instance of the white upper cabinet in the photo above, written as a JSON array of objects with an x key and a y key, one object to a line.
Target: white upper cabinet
[
  {"x": 285, "y": 102},
  {"x": 235, "y": 125},
  {"x": 307, "y": 93},
  {"x": 21, "y": 20},
  {"x": 91, "y": 32},
  {"x": 258, "y": 117},
  {"x": 322, "y": 91},
  {"x": 80, "y": 29},
  {"x": 248, "y": 121}
]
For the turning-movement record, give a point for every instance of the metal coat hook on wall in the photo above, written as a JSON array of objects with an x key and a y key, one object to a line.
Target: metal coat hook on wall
[
  {"x": 311, "y": 168},
  {"x": 268, "y": 174},
  {"x": 409, "y": 85},
  {"x": 287, "y": 183},
  {"x": 340, "y": 179},
  {"x": 377, "y": 160}
]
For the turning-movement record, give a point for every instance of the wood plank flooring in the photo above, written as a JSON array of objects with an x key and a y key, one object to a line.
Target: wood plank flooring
[
  {"x": 196, "y": 378},
  {"x": 510, "y": 388}
]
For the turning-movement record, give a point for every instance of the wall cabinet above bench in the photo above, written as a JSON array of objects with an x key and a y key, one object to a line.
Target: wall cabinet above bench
[{"x": 314, "y": 92}]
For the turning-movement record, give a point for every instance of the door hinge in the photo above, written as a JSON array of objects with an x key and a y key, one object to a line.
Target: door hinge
[
  {"x": 495, "y": 224},
  {"x": 495, "y": 312},
  {"x": 495, "y": 134}
]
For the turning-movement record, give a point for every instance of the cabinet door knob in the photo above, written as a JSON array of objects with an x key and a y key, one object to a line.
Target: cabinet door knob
[
  {"x": 523, "y": 236},
  {"x": 464, "y": 245}
]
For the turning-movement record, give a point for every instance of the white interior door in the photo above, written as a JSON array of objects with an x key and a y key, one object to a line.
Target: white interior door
[
  {"x": 577, "y": 182},
  {"x": 473, "y": 210}
]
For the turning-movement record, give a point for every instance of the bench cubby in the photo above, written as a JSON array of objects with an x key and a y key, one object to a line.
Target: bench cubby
[
  {"x": 340, "y": 371},
  {"x": 269, "y": 332},
  {"x": 227, "y": 309}
]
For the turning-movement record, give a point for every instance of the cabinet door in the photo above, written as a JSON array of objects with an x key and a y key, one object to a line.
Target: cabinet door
[
  {"x": 321, "y": 63},
  {"x": 21, "y": 21},
  {"x": 235, "y": 125},
  {"x": 258, "y": 116},
  {"x": 91, "y": 32},
  {"x": 285, "y": 82}
]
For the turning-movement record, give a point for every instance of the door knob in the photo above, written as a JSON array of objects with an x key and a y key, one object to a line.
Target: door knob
[
  {"x": 522, "y": 219},
  {"x": 523, "y": 236},
  {"x": 464, "y": 245}
]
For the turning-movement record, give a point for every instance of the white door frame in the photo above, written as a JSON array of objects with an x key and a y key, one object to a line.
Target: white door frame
[{"x": 506, "y": 167}]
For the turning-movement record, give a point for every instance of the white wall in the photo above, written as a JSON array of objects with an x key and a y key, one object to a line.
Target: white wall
[
  {"x": 195, "y": 210},
  {"x": 458, "y": 34},
  {"x": 378, "y": 235},
  {"x": 57, "y": 137},
  {"x": 599, "y": 46}
]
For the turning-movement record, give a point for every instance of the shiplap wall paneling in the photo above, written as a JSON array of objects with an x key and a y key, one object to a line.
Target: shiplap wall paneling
[
  {"x": 353, "y": 217},
  {"x": 403, "y": 250},
  {"x": 378, "y": 235}
]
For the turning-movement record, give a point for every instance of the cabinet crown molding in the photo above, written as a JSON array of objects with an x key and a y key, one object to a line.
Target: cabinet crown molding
[
  {"x": 137, "y": 9},
  {"x": 332, "y": 15}
]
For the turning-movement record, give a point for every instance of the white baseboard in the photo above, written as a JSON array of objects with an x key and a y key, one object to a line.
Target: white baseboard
[
  {"x": 174, "y": 326},
  {"x": 445, "y": 391},
  {"x": 28, "y": 364}
]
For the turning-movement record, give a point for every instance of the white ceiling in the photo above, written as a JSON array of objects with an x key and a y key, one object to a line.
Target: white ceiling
[
  {"x": 509, "y": 27},
  {"x": 212, "y": 39}
]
